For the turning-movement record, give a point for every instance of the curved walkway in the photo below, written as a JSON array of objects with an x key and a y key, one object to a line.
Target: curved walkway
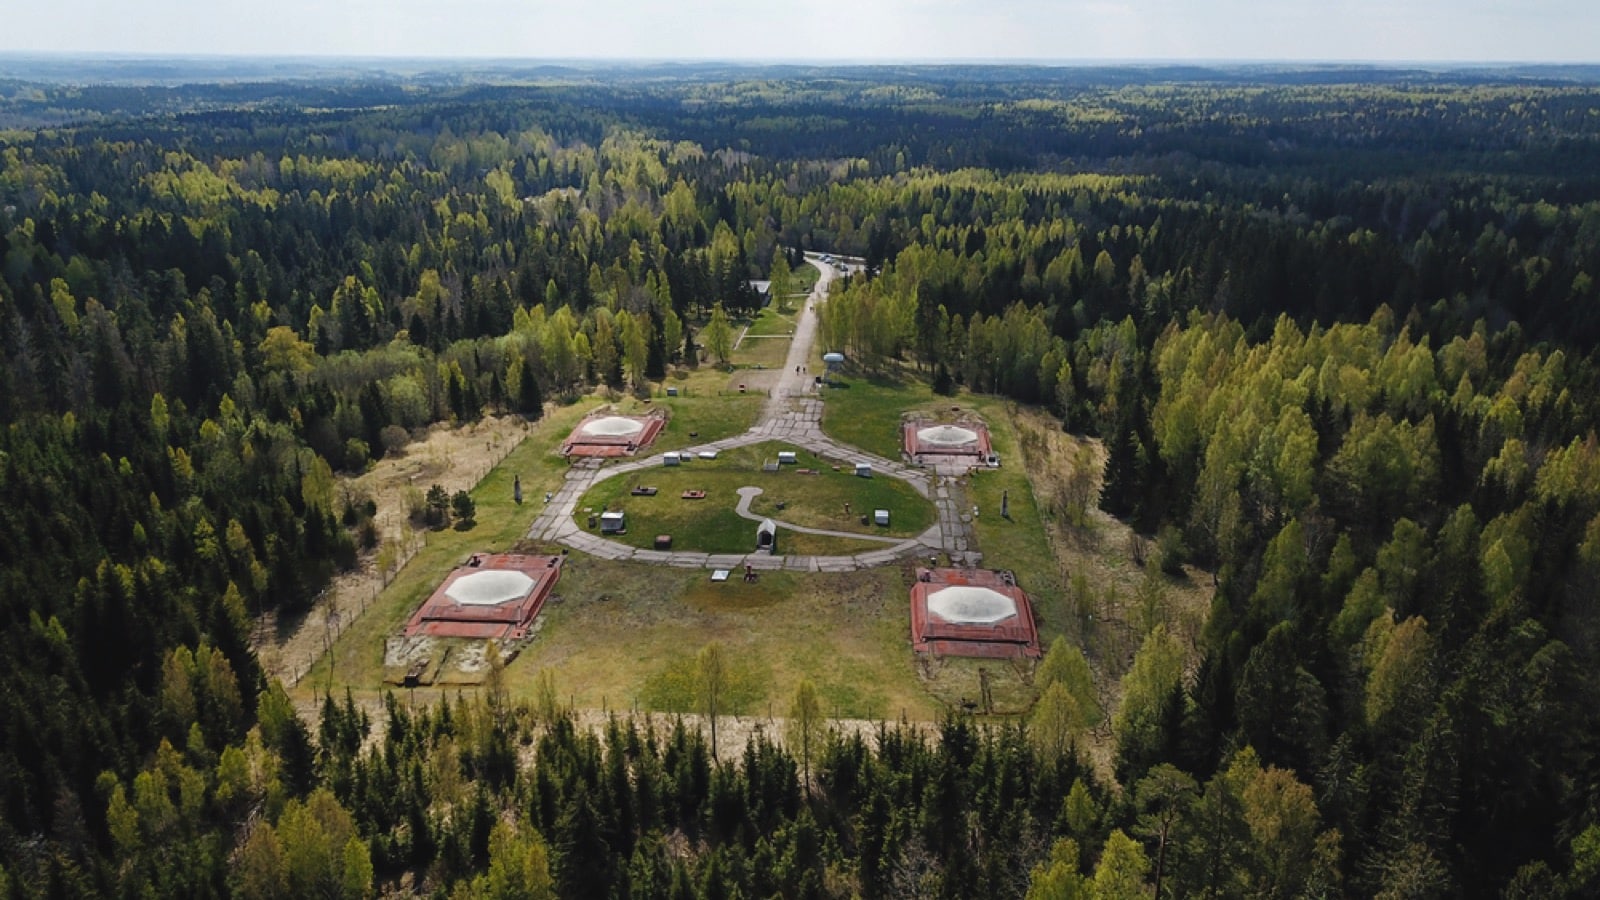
[
  {"x": 793, "y": 415},
  {"x": 749, "y": 494}
]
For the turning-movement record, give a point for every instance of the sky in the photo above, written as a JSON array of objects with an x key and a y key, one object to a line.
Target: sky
[{"x": 840, "y": 30}]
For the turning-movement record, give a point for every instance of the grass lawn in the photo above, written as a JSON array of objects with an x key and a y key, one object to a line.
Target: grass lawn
[
  {"x": 757, "y": 352},
  {"x": 1021, "y": 543},
  {"x": 700, "y": 413},
  {"x": 867, "y": 414},
  {"x": 711, "y": 525},
  {"x": 804, "y": 278},
  {"x": 770, "y": 322},
  {"x": 864, "y": 410},
  {"x": 636, "y": 647}
]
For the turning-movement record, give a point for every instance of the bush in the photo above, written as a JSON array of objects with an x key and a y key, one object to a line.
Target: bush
[
  {"x": 464, "y": 508},
  {"x": 1170, "y": 550},
  {"x": 368, "y": 534},
  {"x": 356, "y": 455},
  {"x": 437, "y": 511},
  {"x": 394, "y": 440}
]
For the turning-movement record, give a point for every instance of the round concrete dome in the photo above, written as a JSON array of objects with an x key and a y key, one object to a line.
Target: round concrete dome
[
  {"x": 489, "y": 588},
  {"x": 947, "y": 435},
  {"x": 960, "y": 605},
  {"x": 613, "y": 426}
]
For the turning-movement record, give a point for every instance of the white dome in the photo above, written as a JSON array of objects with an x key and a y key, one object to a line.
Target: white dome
[
  {"x": 947, "y": 435},
  {"x": 612, "y": 426},
  {"x": 489, "y": 588},
  {"x": 960, "y": 605}
]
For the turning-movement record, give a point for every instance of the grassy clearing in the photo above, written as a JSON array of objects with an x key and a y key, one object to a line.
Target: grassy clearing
[
  {"x": 757, "y": 352},
  {"x": 865, "y": 410},
  {"x": 769, "y": 322},
  {"x": 868, "y": 414},
  {"x": 711, "y": 525},
  {"x": 847, "y": 633},
  {"x": 698, "y": 416},
  {"x": 358, "y": 653},
  {"x": 803, "y": 279},
  {"x": 795, "y": 543},
  {"x": 624, "y": 635},
  {"x": 1019, "y": 543}
]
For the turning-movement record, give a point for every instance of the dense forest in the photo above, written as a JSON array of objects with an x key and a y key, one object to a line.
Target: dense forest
[{"x": 1336, "y": 328}]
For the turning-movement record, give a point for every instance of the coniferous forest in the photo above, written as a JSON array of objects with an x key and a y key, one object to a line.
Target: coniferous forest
[{"x": 1337, "y": 329}]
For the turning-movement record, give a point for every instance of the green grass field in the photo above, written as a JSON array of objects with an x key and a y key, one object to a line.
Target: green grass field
[
  {"x": 700, "y": 414},
  {"x": 757, "y": 352},
  {"x": 636, "y": 647},
  {"x": 625, "y": 635},
  {"x": 867, "y": 414},
  {"x": 711, "y": 525},
  {"x": 769, "y": 323},
  {"x": 865, "y": 410}
]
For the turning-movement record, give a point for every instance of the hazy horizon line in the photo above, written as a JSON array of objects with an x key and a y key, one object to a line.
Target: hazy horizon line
[{"x": 842, "y": 61}]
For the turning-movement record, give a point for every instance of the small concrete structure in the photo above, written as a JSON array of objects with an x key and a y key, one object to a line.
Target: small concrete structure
[
  {"x": 972, "y": 612},
  {"x": 707, "y": 454},
  {"x": 880, "y": 517},
  {"x": 767, "y": 537},
  {"x": 604, "y": 434},
  {"x": 613, "y": 523},
  {"x": 864, "y": 470},
  {"x": 671, "y": 459},
  {"x": 787, "y": 458},
  {"x": 955, "y": 444},
  {"x": 492, "y": 596}
]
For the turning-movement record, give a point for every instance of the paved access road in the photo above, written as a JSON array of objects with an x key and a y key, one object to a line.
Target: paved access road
[{"x": 793, "y": 415}]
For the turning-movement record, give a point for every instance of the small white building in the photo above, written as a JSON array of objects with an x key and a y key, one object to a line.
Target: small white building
[
  {"x": 613, "y": 523},
  {"x": 864, "y": 470},
  {"x": 787, "y": 457},
  {"x": 880, "y": 517},
  {"x": 671, "y": 459}
]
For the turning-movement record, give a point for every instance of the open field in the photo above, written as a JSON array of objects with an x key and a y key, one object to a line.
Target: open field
[
  {"x": 500, "y": 524},
  {"x": 710, "y": 524},
  {"x": 865, "y": 410},
  {"x": 624, "y": 635},
  {"x": 701, "y": 413},
  {"x": 760, "y": 353},
  {"x": 454, "y": 458},
  {"x": 769, "y": 323}
]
